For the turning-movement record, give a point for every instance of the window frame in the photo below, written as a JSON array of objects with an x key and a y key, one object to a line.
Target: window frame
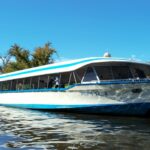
[{"x": 92, "y": 81}]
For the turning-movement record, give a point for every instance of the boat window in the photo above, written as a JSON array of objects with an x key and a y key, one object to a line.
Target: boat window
[
  {"x": 72, "y": 78},
  {"x": 27, "y": 83},
  {"x": 19, "y": 85},
  {"x": 104, "y": 72},
  {"x": 2, "y": 85},
  {"x": 43, "y": 81},
  {"x": 90, "y": 75},
  {"x": 9, "y": 85},
  {"x": 79, "y": 74},
  {"x": 5, "y": 85},
  {"x": 64, "y": 81},
  {"x": 35, "y": 82},
  {"x": 13, "y": 84},
  {"x": 121, "y": 72},
  {"x": 139, "y": 73}
]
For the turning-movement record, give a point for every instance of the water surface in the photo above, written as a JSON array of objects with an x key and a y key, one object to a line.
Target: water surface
[{"x": 29, "y": 129}]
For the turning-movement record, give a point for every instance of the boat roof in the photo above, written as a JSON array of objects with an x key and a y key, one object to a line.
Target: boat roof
[{"x": 60, "y": 67}]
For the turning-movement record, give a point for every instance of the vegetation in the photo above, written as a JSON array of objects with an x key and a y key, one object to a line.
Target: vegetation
[{"x": 18, "y": 58}]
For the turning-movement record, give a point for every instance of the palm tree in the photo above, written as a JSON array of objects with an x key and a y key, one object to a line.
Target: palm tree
[
  {"x": 21, "y": 56},
  {"x": 43, "y": 55}
]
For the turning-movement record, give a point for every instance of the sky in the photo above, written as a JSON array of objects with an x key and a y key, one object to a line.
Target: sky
[{"x": 78, "y": 28}]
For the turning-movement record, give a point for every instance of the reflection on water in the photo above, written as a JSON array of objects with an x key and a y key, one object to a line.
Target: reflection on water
[{"x": 27, "y": 129}]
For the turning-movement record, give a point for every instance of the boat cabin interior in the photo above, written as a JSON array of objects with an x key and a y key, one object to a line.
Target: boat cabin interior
[{"x": 93, "y": 73}]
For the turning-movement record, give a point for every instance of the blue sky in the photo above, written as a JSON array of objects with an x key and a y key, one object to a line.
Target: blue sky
[{"x": 78, "y": 28}]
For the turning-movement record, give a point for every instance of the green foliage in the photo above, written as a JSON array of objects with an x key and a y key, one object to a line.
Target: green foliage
[
  {"x": 43, "y": 55},
  {"x": 19, "y": 58},
  {"x": 4, "y": 62},
  {"x": 21, "y": 55}
]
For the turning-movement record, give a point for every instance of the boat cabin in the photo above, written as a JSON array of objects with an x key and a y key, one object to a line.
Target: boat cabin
[{"x": 60, "y": 76}]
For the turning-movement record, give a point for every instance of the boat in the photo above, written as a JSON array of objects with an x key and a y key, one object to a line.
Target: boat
[{"x": 94, "y": 85}]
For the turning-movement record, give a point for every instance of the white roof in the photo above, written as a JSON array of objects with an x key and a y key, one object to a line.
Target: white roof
[{"x": 60, "y": 67}]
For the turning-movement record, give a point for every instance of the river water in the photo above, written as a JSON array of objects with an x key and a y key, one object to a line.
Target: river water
[{"x": 30, "y": 130}]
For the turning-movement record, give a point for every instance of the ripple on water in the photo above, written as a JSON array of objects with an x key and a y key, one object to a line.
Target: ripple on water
[{"x": 26, "y": 129}]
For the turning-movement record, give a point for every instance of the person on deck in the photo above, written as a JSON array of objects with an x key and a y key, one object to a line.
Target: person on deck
[
  {"x": 56, "y": 82},
  {"x": 51, "y": 83}
]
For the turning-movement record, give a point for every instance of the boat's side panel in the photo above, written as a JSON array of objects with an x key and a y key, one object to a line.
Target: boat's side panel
[
  {"x": 125, "y": 99},
  {"x": 54, "y": 98}
]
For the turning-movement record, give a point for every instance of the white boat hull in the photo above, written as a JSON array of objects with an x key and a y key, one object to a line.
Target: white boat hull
[{"x": 118, "y": 99}]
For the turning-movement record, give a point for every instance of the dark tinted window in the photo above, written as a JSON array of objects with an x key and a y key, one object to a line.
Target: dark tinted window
[
  {"x": 35, "y": 82},
  {"x": 139, "y": 73},
  {"x": 64, "y": 81},
  {"x": 104, "y": 72},
  {"x": 121, "y": 72}
]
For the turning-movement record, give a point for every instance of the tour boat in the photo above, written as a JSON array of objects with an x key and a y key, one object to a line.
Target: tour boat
[{"x": 95, "y": 85}]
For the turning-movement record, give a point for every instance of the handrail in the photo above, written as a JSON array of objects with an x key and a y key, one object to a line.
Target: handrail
[{"x": 118, "y": 81}]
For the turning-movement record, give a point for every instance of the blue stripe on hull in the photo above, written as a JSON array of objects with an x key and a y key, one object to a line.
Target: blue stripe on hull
[{"x": 138, "y": 109}]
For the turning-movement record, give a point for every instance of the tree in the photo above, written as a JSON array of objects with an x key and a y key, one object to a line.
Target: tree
[
  {"x": 22, "y": 58},
  {"x": 4, "y": 62},
  {"x": 43, "y": 55}
]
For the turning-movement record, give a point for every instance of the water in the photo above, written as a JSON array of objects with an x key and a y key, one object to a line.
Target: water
[{"x": 30, "y": 130}]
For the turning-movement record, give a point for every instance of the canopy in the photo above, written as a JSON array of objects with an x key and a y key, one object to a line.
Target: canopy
[{"x": 59, "y": 67}]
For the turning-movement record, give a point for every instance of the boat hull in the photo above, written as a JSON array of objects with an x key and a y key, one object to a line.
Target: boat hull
[
  {"x": 113, "y": 99},
  {"x": 130, "y": 109}
]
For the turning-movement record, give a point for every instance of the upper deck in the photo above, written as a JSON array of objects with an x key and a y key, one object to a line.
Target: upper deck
[
  {"x": 93, "y": 70},
  {"x": 63, "y": 67}
]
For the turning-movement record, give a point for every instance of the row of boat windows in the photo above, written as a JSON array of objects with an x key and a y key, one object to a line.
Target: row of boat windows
[
  {"x": 40, "y": 82},
  {"x": 112, "y": 72},
  {"x": 63, "y": 80}
]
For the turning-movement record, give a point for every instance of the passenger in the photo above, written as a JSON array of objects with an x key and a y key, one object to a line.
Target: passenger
[
  {"x": 56, "y": 82},
  {"x": 20, "y": 86},
  {"x": 51, "y": 83}
]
